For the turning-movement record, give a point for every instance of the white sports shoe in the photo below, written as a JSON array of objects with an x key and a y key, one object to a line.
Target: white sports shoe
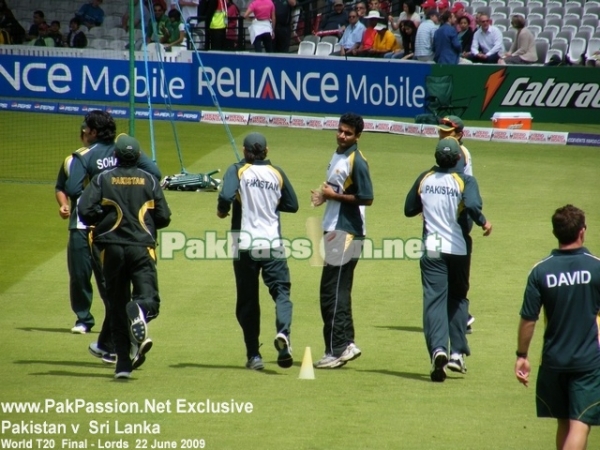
[
  {"x": 79, "y": 329},
  {"x": 329, "y": 362},
  {"x": 456, "y": 363}
]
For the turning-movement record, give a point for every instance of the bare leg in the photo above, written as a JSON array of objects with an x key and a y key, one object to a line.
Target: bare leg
[
  {"x": 562, "y": 431},
  {"x": 577, "y": 436}
]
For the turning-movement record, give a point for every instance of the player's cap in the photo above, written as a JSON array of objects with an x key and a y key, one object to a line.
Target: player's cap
[
  {"x": 127, "y": 149},
  {"x": 443, "y": 4},
  {"x": 451, "y": 123},
  {"x": 255, "y": 143},
  {"x": 373, "y": 15},
  {"x": 458, "y": 6},
  {"x": 447, "y": 149},
  {"x": 429, "y": 4},
  {"x": 380, "y": 27}
]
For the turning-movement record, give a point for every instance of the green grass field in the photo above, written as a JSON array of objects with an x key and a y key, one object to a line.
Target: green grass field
[{"x": 383, "y": 400}]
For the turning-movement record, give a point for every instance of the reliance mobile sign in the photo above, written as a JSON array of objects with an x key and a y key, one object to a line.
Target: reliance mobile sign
[
  {"x": 249, "y": 81},
  {"x": 326, "y": 85}
]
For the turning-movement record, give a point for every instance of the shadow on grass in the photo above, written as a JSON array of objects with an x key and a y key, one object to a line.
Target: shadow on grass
[
  {"x": 49, "y": 330},
  {"x": 64, "y": 373},
  {"x": 401, "y": 328},
  {"x": 218, "y": 366},
  {"x": 407, "y": 375},
  {"x": 65, "y": 363}
]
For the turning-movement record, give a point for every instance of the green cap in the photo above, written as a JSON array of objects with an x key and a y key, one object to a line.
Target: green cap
[
  {"x": 127, "y": 149},
  {"x": 255, "y": 143},
  {"x": 450, "y": 123},
  {"x": 448, "y": 149}
]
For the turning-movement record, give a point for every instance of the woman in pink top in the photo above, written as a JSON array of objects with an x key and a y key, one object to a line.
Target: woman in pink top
[{"x": 261, "y": 30}]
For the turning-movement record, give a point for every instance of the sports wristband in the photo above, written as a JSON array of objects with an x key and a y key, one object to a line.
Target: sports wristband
[{"x": 521, "y": 354}]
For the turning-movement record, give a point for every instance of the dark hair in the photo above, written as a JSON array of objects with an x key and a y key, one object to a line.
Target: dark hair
[
  {"x": 39, "y": 13},
  {"x": 103, "y": 123},
  {"x": 174, "y": 14},
  {"x": 353, "y": 120},
  {"x": 465, "y": 18},
  {"x": 76, "y": 20},
  {"x": 446, "y": 160},
  {"x": 412, "y": 8},
  {"x": 518, "y": 21},
  {"x": 256, "y": 153},
  {"x": 567, "y": 222},
  {"x": 55, "y": 22},
  {"x": 445, "y": 16},
  {"x": 431, "y": 12}
]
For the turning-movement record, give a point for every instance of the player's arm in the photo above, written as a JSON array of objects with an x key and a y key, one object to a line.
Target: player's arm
[
  {"x": 362, "y": 184},
  {"x": 89, "y": 208},
  {"x": 162, "y": 212},
  {"x": 229, "y": 188},
  {"x": 77, "y": 176},
  {"x": 413, "y": 205},
  {"x": 474, "y": 204},
  {"x": 59, "y": 192},
  {"x": 288, "y": 201},
  {"x": 530, "y": 311}
]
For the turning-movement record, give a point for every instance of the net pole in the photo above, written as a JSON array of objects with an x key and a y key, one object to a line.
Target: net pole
[{"x": 132, "y": 67}]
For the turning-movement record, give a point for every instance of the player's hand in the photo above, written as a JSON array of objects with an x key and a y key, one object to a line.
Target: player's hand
[
  {"x": 64, "y": 211},
  {"x": 316, "y": 197},
  {"x": 522, "y": 371},
  {"x": 487, "y": 228},
  {"x": 327, "y": 191},
  {"x": 222, "y": 215}
]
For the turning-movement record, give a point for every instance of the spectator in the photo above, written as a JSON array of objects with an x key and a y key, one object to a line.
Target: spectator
[
  {"x": 442, "y": 6},
  {"x": 361, "y": 10},
  {"x": 384, "y": 42},
  {"x": 157, "y": 25},
  {"x": 369, "y": 34},
  {"x": 38, "y": 19},
  {"x": 43, "y": 39},
  {"x": 11, "y": 30},
  {"x": 283, "y": 22},
  {"x": 352, "y": 37},
  {"x": 408, "y": 32},
  {"x": 487, "y": 43},
  {"x": 409, "y": 13},
  {"x": 76, "y": 38},
  {"x": 446, "y": 44},
  {"x": 375, "y": 5},
  {"x": 233, "y": 14},
  {"x": 424, "y": 37},
  {"x": 522, "y": 50},
  {"x": 174, "y": 35},
  {"x": 215, "y": 14},
  {"x": 137, "y": 18},
  {"x": 189, "y": 8},
  {"x": 465, "y": 34},
  {"x": 55, "y": 34},
  {"x": 91, "y": 14},
  {"x": 459, "y": 11},
  {"x": 335, "y": 21},
  {"x": 261, "y": 29},
  {"x": 428, "y": 5}
]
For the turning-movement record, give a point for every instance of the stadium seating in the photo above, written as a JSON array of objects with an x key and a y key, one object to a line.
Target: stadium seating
[
  {"x": 324, "y": 49},
  {"x": 541, "y": 47},
  {"x": 577, "y": 49},
  {"x": 306, "y": 48},
  {"x": 593, "y": 46}
]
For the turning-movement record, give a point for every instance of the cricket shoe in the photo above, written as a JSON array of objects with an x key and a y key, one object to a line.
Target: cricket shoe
[
  {"x": 438, "y": 366},
  {"x": 255, "y": 363},
  {"x": 137, "y": 327},
  {"x": 80, "y": 329},
  {"x": 105, "y": 356},
  {"x": 456, "y": 363},
  {"x": 329, "y": 361},
  {"x": 284, "y": 356},
  {"x": 139, "y": 353}
]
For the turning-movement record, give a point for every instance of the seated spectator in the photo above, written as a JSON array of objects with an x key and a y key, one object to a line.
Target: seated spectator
[
  {"x": 409, "y": 13},
  {"x": 233, "y": 12},
  {"x": 91, "y": 14},
  {"x": 424, "y": 37},
  {"x": 352, "y": 37},
  {"x": 262, "y": 27},
  {"x": 487, "y": 43},
  {"x": 373, "y": 18},
  {"x": 174, "y": 35},
  {"x": 137, "y": 17},
  {"x": 375, "y": 5},
  {"x": 384, "y": 42},
  {"x": 465, "y": 34},
  {"x": 38, "y": 19},
  {"x": 459, "y": 11},
  {"x": 42, "y": 40},
  {"x": 157, "y": 25},
  {"x": 523, "y": 49},
  {"x": 76, "y": 38},
  {"x": 446, "y": 45},
  {"x": 335, "y": 22},
  {"x": 361, "y": 10},
  {"x": 408, "y": 32},
  {"x": 442, "y": 6},
  {"x": 55, "y": 34},
  {"x": 11, "y": 29}
]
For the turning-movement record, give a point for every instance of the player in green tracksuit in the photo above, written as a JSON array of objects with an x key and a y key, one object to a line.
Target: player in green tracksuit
[
  {"x": 566, "y": 285},
  {"x": 447, "y": 199}
]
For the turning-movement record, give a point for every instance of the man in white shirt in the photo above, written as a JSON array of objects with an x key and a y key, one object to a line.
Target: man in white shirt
[
  {"x": 424, "y": 37},
  {"x": 352, "y": 36},
  {"x": 487, "y": 43}
]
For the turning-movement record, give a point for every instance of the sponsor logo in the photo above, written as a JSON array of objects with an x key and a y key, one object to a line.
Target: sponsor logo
[
  {"x": 331, "y": 123},
  {"x": 283, "y": 121},
  {"x": 537, "y": 137},
  {"x": 69, "y": 108},
  {"x": 501, "y": 134},
  {"x": 413, "y": 129},
  {"x": 315, "y": 123},
  {"x": 481, "y": 134},
  {"x": 369, "y": 126},
  {"x": 297, "y": 122},
  {"x": 213, "y": 117},
  {"x": 557, "y": 138},
  {"x": 429, "y": 131},
  {"x": 15, "y": 105},
  {"x": 492, "y": 85},
  {"x": 261, "y": 120},
  {"x": 236, "y": 118},
  {"x": 519, "y": 135},
  {"x": 162, "y": 114},
  {"x": 117, "y": 111},
  {"x": 397, "y": 128},
  {"x": 383, "y": 126},
  {"x": 3, "y": 105}
]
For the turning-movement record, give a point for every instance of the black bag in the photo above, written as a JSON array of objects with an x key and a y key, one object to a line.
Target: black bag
[{"x": 428, "y": 119}]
